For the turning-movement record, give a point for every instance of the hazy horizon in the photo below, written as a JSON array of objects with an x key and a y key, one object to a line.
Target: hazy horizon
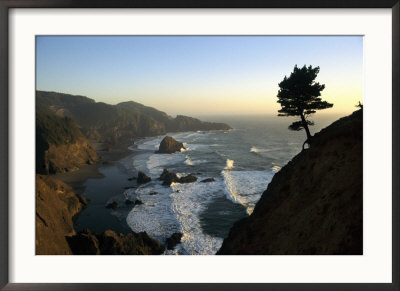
[{"x": 199, "y": 75}]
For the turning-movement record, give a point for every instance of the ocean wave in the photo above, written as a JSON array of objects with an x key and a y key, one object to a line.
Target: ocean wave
[
  {"x": 229, "y": 164},
  {"x": 258, "y": 150},
  {"x": 276, "y": 168},
  {"x": 246, "y": 187},
  {"x": 151, "y": 144},
  {"x": 189, "y": 200},
  {"x": 154, "y": 216},
  {"x": 156, "y": 162},
  {"x": 166, "y": 210},
  {"x": 191, "y": 162}
]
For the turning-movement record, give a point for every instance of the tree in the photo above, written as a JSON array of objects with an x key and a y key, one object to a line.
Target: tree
[{"x": 298, "y": 95}]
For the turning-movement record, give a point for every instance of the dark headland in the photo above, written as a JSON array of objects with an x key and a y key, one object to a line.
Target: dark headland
[{"x": 313, "y": 205}]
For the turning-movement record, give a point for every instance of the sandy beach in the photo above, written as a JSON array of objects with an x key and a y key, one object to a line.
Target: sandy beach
[{"x": 77, "y": 179}]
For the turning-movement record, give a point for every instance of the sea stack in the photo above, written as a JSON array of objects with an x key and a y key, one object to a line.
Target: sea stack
[{"x": 169, "y": 145}]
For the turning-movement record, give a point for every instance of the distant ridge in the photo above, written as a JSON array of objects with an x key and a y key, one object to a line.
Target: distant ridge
[{"x": 103, "y": 122}]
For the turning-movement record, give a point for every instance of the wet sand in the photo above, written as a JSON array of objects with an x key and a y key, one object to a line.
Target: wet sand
[{"x": 77, "y": 179}]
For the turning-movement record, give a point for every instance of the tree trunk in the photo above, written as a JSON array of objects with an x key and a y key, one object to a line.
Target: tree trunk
[{"x": 305, "y": 125}]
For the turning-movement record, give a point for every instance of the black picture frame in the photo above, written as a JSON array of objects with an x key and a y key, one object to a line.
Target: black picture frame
[{"x": 5, "y": 5}]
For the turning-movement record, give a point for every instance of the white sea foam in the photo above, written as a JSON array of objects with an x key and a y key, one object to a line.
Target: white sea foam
[
  {"x": 194, "y": 147},
  {"x": 229, "y": 164},
  {"x": 246, "y": 187},
  {"x": 254, "y": 150},
  {"x": 258, "y": 150},
  {"x": 155, "y": 215},
  {"x": 275, "y": 168},
  {"x": 175, "y": 209},
  {"x": 157, "y": 162},
  {"x": 150, "y": 143},
  {"x": 189, "y": 200},
  {"x": 191, "y": 162}
]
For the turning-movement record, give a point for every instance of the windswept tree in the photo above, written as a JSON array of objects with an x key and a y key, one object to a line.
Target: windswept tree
[{"x": 299, "y": 96}]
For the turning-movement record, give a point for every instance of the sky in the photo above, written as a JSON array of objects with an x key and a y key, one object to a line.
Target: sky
[{"x": 199, "y": 75}]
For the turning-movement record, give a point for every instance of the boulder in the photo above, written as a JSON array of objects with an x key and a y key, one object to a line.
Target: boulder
[
  {"x": 169, "y": 145},
  {"x": 143, "y": 178},
  {"x": 187, "y": 179},
  {"x": 168, "y": 177},
  {"x": 138, "y": 202},
  {"x": 173, "y": 240},
  {"x": 129, "y": 202},
  {"x": 208, "y": 180},
  {"x": 112, "y": 205}
]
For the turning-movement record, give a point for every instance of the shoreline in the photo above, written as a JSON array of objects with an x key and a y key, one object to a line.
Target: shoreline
[
  {"x": 76, "y": 179},
  {"x": 96, "y": 216}
]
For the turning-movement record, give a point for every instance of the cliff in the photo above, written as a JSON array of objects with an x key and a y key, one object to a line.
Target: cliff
[
  {"x": 56, "y": 205},
  {"x": 60, "y": 145},
  {"x": 111, "y": 243},
  {"x": 313, "y": 205},
  {"x": 103, "y": 122}
]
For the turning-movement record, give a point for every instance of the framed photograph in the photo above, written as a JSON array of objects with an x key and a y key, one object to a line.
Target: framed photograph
[{"x": 199, "y": 145}]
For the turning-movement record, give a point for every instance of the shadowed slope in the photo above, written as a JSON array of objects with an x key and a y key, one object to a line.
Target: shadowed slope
[
  {"x": 313, "y": 205},
  {"x": 118, "y": 123}
]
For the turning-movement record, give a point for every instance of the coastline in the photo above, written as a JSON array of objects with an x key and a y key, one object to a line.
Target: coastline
[
  {"x": 109, "y": 173},
  {"x": 76, "y": 179}
]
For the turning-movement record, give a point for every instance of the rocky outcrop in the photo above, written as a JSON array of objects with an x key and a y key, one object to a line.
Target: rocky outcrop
[
  {"x": 60, "y": 145},
  {"x": 143, "y": 178},
  {"x": 138, "y": 202},
  {"x": 173, "y": 240},
  {"x": 208, "y": 180},
  {"x": 112, "y": 205},
  {"x": 111, "y": 243},
  {"x": 187, "y": 179},
  {"x": 313, "y": 205},
  {"x": 56, "y": 205},
  {"x": 169, "y": 146},
  {"x": 68, "y": 157},
  {"x": 169, "y": 178}
]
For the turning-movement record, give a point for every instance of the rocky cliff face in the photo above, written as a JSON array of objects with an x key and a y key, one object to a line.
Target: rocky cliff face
[
  {"x": 313, "y": 205},
  {"x": 56, "y": 205},
  {"x": 111, "y": 243},
  {"x": 60, "y": 146},
  {"x": 118, "y": 123}
]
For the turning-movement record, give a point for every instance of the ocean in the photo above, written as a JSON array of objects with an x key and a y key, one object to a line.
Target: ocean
[{"x": 242, "y": 162}]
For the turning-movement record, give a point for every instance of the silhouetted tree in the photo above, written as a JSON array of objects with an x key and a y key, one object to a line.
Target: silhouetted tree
[
  {"x": 299, "y": 96},
  {"x": 359, "y": 105}
]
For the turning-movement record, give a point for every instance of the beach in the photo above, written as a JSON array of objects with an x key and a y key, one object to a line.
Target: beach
[{"x": 99, "y": 183}]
